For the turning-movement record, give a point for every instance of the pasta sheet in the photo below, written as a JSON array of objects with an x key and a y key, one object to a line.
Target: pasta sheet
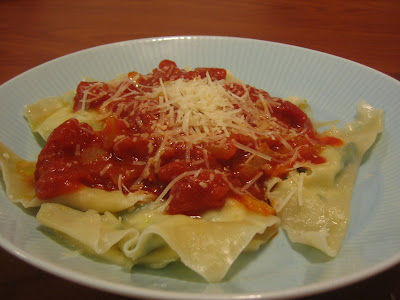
[
  {"x": 314, "y": 206},
  {"x": 207, "y": 245},
  {"x": 133, "y": 229}
]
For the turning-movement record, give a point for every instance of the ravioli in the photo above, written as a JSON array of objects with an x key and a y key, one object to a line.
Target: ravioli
[
  {"x": 152, "y": 169},
  {"x": 144, "y": 235},
  {"x": 147, "y": 236},
  {"x": 314, "y": 206}
]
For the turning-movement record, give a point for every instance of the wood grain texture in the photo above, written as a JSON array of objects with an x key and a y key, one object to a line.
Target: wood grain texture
[{"x": 35, "y": 31}]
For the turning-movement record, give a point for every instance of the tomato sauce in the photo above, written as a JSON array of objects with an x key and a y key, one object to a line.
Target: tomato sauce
[{"x": 115, "y": 157}]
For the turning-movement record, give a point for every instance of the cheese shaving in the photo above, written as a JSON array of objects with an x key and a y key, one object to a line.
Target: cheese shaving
[
  {"x": 251, "y": 150},
  {"x": 252, "y": 181}
]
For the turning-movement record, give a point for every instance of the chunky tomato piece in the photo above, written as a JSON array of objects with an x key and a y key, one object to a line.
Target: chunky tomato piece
[
  {"x": 113, "y": 129},
  {"x": 93, "y": 153},
  {"x": 128, "y": 147},
  {"x": 173, "y": 169},
  {"x": 93, "y": 94},
  {"x": 194, "y": 195},
  {"x": 57, "y": 171},
  {"x": 223, "y": 152},
  {"x": 292, "y": 115},
  {"x": 167, "y": 64},
  {"x": 214, "y": 73},
  {"x": 61, "y": 179},
  {"x": 246, "y": 171}
]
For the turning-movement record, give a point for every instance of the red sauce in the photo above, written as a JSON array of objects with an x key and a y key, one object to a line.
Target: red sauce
[
  {"x": 114, "y": 158},
  {"x": 168, "y": 71},
  {"x": 194, "y": 195}
]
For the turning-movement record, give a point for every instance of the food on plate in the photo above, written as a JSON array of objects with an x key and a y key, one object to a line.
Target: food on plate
[{"x": 187, "y": 165}]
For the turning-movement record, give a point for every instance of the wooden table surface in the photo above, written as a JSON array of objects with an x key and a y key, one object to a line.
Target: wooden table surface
[{"x": 35, "y": 31}]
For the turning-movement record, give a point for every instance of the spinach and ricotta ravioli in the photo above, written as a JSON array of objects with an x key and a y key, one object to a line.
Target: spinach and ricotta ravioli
[
  {"x": 314, "y": 206},
  {"x": 163, "y": 167}
]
